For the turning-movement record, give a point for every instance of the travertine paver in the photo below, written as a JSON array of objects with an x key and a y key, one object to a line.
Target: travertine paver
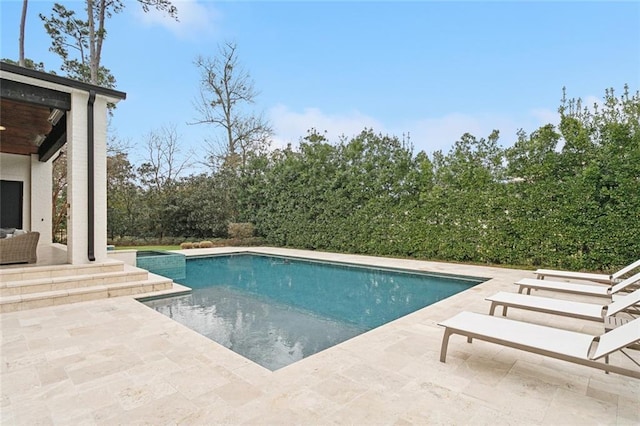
[{"x": 115, "y": 361}]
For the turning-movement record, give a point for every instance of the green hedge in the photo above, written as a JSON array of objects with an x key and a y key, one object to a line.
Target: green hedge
[{"x": 565, "y": 196}]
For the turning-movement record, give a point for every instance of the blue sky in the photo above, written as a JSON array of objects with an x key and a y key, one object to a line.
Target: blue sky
[{"x": 431, "y": 69}]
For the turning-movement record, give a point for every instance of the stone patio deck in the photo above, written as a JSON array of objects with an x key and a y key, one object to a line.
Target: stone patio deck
[{"x": 116, "y": 361}]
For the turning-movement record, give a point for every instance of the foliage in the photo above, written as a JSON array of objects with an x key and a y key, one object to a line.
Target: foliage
[
  {"x": 241, "y": 230},
  {"x": 562, "y": 196},
  {"x": 123, "y": 202},
  {"x": 68, "y": 31},
  {"x": 86, "y": 36},
  {"x": 158, "y": 178},
  {"x": 59, "y": 198},
  {"x": 28, "y": 63},
  {"x": 326, "y": 196},
  {"x": 204, "y": 206}
]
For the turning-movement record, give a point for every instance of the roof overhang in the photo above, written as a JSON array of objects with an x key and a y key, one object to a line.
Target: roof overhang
[{"x": 33, "y": 107}]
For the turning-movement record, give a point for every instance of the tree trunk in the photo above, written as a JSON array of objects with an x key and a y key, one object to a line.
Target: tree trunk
[
  {"x": 93, "y": 60},
  {"x": 23, "y": 20}
]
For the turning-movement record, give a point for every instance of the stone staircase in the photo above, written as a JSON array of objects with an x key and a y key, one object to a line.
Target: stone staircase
[{"x": 39, "y": 286}]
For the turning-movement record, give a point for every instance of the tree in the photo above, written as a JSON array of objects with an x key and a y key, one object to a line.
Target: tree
[
  {"x": 59, "y": 197},
  {"x": 123, "y": 197},
  {"x": 201, "y": 207},
  {"x": 164, "y": 162},
  {"x": 23, "y": 20},
  {"x": 22, "y": 61},
  {"x": 28, "y": 63},
  {"x": 86, "y": 36},
  {"x": 225, "y": 91},
  {"x": 601, "y": 162},
  {"x": 159, "y": 176}
]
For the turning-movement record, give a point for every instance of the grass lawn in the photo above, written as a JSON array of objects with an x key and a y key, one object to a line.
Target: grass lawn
[{"x": 140, "y": 248}]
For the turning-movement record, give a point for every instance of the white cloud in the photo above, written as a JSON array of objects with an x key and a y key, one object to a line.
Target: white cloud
[
  {"x": 546, "y": 116},
  {"x": 195, "y": 19},
  {"x": 290, "y": 126},
  {"x": 440, "y": 133},
  {"x": 427, "y": 134},
  {"x": 591, "y": 100}
]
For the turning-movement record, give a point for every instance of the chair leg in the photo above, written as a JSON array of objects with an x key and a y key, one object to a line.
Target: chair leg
[{"x": 445, "y": 344}]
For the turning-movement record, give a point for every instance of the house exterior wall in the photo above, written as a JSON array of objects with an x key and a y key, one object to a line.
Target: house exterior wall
[
  {"x": 37, "y": 176},
  {"x": 36, "y": 207}
]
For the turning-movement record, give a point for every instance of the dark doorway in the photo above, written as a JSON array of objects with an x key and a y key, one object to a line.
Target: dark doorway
[{"x": 11, "y": 204}]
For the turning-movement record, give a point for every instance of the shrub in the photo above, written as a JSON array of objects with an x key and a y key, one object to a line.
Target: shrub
[
  {"x": 253, "y": 241},
  {"x": 141, "y": 242},
  {"x": 244, "y": 242},
  {"x": 241, "y": 230},
  {"x": 186, "y": 245},
  {"x": 173, "y": 240}
]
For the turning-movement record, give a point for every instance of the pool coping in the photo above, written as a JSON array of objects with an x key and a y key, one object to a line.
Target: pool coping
[
  {"x": 129, "y": 364},
  {"x": 336, "y": 262}
]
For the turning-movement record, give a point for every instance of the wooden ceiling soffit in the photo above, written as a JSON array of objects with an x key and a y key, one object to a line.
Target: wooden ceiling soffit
[
  {"x": 17, "y": 91},
  {"x": 23, "y": 122}
]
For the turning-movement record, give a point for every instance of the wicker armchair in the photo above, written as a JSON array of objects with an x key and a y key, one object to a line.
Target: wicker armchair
[{"x": 19, "y": 248}]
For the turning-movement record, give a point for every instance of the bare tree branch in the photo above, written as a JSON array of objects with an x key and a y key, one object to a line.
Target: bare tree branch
[
  {"x": 164, "y": 162},
  {"x": 225, "y": 91}
]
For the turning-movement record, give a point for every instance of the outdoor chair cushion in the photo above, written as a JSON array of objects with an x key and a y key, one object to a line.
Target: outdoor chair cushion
[{"x": 19, "y": 248}]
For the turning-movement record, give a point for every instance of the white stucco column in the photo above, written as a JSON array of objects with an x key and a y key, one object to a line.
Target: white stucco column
[
  {"x": 78, "y": 175},
  {"x": 77, "y": 189},
  {"x": 41, "y": 201},
  {"x": 100, "y": 181}
]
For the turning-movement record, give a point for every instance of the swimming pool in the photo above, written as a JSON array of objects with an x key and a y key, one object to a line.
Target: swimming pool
[
  {"x": 170, "y": 265},
  {"x": 276, "y": 310}
]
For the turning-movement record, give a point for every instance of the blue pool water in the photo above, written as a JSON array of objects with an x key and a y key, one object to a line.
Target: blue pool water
[
  {"x": 276, "y": 311},
  {"x": 170, "y": 265}
]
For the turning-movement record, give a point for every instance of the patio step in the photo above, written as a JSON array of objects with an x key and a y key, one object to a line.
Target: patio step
[
  {"x": 23, "y": 273},
  {"x": 14, "y": 288},
  {"x": 19, "y": 290}
]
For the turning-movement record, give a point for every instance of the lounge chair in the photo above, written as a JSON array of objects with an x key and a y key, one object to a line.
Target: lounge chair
[
  {"x": 19, "y": 248},
  {"x": 581, "y": 310},
  {"x": 578, "y": 288},
  {"x": 599, "y": 278},
  {"x": 557, "y": 343}
]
